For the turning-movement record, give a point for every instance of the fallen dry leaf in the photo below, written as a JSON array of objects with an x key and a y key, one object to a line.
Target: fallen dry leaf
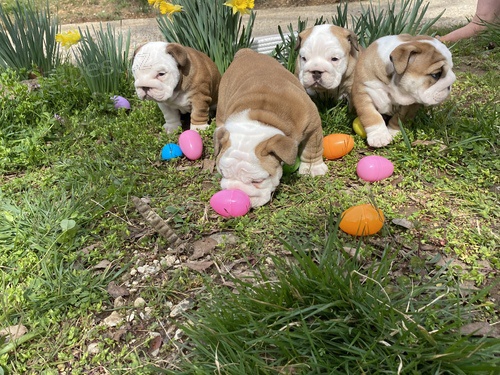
[
  {"x": 14, "y": 332},
  {"x": 115, "y": 290},
  {"x": 103, "y": 264},
  {"x": 403, "y": 223},
  {"x": 155, "y": 345},
  {"x": 199, "y": 266},
  {"x": 203, "y": 247},
  {"x": 481, "y": 329}
]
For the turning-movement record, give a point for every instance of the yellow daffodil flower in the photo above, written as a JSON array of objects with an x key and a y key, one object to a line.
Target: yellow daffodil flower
[
  {"x": 155, "y": 3},
  {"x": 68, "y": 38},
  {"x": 242, "y": 6},
  {"x": 168, "y": 8}
]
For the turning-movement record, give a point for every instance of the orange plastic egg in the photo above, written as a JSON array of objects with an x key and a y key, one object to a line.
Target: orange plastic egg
[
  {"x": 362, "y": 220},
  {"x": 337, "y": 145}
]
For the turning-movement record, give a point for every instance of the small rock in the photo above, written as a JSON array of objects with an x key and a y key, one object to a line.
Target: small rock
[
  {"x": 139, "y": 302},
  {"x": 93, "y": 348},
  {"x": 131, "y": 317},
  {"x": 133, "y": 272},
  {"x": 113, "y": 319},
  {"x": 119, "y": 302},
  {"x": 181, "y": 307},
  {"x": 225, "y": 238}
]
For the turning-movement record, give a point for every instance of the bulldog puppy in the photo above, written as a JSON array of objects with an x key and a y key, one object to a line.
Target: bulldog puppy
[
  {"x": 395, "y": 76},
  {"x": 180, "y": 79},
  {"x": 326, "y": 61},
  {"x": 264, "y": 119}
]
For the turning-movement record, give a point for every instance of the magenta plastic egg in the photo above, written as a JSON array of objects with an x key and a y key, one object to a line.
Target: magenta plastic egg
[
  {"x": 230, "y": 203},
  {"x": 191, "y": 144},
  {"x": 121, "y": 102},
  {"x": 374, "y": 168}
]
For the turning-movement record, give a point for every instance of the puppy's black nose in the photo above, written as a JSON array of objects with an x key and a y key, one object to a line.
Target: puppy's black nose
[
  {"x": 316, "y": 75},
  {"x": 145, "y": 89}
]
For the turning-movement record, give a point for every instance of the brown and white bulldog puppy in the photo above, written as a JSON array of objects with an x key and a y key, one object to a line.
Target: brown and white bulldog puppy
[
  {"x": 326, "y": 61},
  {"x": 180, "y": 79},
  {"x": 264, "y": 119},
  {"x": 395, "y": 76}
]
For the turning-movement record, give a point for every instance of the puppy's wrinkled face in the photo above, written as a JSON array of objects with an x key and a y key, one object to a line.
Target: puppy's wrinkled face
[
  {"x": 238, "y": 164},
  {"x": 323, "y": 60},
  {"x": 424, "y": 71},
  {"x": 155, "y": 72}
]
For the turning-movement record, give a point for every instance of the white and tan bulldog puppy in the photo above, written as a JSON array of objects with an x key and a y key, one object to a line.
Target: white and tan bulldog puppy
[
  {"x": 180, "y": 79},
  {"x": 326, "y": 61},
  {"x": 395, "y": 76},
  {"x": 264, "y": 119}
]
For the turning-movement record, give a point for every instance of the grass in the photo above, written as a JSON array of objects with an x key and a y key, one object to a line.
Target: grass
[{"x": 68, "y": 228}]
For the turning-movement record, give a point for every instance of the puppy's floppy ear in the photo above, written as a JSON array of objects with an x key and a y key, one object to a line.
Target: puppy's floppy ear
[
  {"x": 137, "y": 49},
  {"x": 353, "y": 41},
  {"x": 401, "y": 56},
  {"x": 221, "y": 137},
  {"x": 283, "y": 147},
  {"x": 303, "y": 35},
  {"x": 180, "y": 55}
]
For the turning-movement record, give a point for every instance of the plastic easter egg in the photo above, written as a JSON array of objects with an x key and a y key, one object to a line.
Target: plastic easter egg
[
  {"x": 359, "y": 129},
  {"x": 362, "y": 220},
  {"x": 170, "y": 151},
  {"x": 374, "y": 168},
  {"x": 337, "y": 145},
  {"x": 289, "y": 169},
  {"x": 191, "y": 144},
  {"x": 230, "y": 203},
  {"x": 121, "y": 102}
]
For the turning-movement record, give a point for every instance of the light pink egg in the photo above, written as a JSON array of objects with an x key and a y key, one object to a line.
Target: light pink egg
[
  {"x": 230, "y": 203},
  {"x": 191, "y": 144},
  {"x": 374, "y": 168}
]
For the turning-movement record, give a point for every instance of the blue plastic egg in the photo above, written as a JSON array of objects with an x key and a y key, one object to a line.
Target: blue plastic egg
[{"x": 170, "y": 151}]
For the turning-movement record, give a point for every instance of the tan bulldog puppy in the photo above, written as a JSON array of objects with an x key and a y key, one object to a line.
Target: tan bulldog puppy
[
  {"x": 180, "y": 79},
  {"x": 326, "y": 61},
  {"x": 264, "y": 119},
  {"x": 395, "y": 76}
]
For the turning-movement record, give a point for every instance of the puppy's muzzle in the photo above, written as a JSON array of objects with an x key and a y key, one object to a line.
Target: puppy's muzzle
[{"x": 316, "y": 74}]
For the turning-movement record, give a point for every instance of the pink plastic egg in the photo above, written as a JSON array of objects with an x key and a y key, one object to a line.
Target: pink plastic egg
[
  {"x": 230, "y": 203},
  {"x": 191, "y": 144},
  {"x": 374, "y": 168}
]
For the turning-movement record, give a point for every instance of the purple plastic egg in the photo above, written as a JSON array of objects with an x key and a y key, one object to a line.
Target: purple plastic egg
[
  {"x": 191, "y": 144},
  {"x": 230, "y": 203},
  {"x": 121, "y": 102},
  {"x": 374, "y": 168}
]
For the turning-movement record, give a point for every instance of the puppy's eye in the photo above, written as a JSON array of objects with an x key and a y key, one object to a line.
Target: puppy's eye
[
  {"x": 161, "y": 74},
  {"x": 437, "y": 75},
  {"x": 303, "y": 58},
  {"x": 335, "y": 59},
  {"x": 257, "y": 182}
]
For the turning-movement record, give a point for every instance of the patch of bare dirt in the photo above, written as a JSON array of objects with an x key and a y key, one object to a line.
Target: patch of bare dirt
[{"x": 111, "y": 10}]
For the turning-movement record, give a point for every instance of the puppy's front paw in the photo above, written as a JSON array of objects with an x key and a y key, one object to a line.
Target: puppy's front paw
[
  {"x": 199, "y": 128},
  {"x": 393, "y": 132},
  {"x": 378, "y": 136},
  {"x": 170, "y": 128},
  {"x": 318, "y": 168}
]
